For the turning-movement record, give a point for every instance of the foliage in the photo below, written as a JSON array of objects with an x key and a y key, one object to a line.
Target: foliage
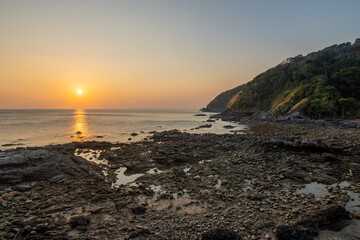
[
  {"x": 220, "y": 102},
  {"x": 330, "y": 79}
]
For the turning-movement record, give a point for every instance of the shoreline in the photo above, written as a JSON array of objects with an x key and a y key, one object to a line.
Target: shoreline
[{"x": 245, "y": 183}]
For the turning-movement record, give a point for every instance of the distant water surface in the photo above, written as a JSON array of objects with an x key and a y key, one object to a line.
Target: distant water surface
[{"x": 41, "y": 127}]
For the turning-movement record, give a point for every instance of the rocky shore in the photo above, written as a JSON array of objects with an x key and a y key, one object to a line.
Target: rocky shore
[{"x": 277, "y": 180}]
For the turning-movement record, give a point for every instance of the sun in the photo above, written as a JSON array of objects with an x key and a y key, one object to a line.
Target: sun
[{"x": 79, "y": 91}]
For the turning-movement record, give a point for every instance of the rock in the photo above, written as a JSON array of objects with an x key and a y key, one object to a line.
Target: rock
[
  {"x": 356, "y": 214},
  {"x": 138, "y": 233},
  {"x": 59, "y": 178},
  {"x": 79, "y": 221},
  {"x": 330, "y": 157},
  {"x": 13, "y": 160},
  {"x": 294, "y": 175},
  {"x": 120, "y": 204},
  {"x": 229, "y": 126},
  {"x": 132, "y": 164},
  {"x": 9, "y": 144},
  {"x": 308, "y": 145},
  {"x": 42, "y": 229},
  {"x": 205, "y": 126},
  {"x": 39, "y": 155},
  {"x": 200, "y": 115},
  {"x": 134, "y": 134},
  {"x": 210, "y": 120},
  {"x": 23, "y": 187},
  {"x": 295, "y": 232},
  {"x": 99, "y": 136},
  {"x": 40, "y": 164},
  {"x": 138, "y": 210},
  {"x": 307, "y": 228},
  {"x": 220, "y": 234}
]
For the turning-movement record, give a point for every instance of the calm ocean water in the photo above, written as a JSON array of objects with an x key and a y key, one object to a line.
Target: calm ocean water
[{"x": 42, "y": 127}]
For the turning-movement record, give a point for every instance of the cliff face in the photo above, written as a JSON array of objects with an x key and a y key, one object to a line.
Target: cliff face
[
  {"x": 219, "y": 103},
  {"x": 321, "y": 84}
]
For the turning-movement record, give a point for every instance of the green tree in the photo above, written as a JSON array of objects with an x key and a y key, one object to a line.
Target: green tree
[
  {"x": 348, "y": 82},
  {"x": 348, "y": 106}
]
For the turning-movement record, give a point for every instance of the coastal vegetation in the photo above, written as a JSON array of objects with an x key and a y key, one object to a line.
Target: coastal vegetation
[
  {"x": 219, "y": 103},
  {"x": 323, "y": 84}
]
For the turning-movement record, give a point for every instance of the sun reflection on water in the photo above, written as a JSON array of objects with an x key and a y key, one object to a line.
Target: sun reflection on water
[{"x": 80, "y": 130}]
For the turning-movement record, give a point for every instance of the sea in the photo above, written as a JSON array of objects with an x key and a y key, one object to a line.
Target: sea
[{"x": 23, "y": 128}]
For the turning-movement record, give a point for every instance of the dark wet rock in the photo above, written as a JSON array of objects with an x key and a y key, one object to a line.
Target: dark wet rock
[
  {"x": 295, "y": 176},
  {"x": 139, "y": 232},
  {"x": 296, "y": 232},
  {"x": 340, "y": 123},
  {"x": 229, "y": 126},
  {"x": 167, "y": 134},
  {"x": 330, "y": 157},
  {"x": 307, "y": 228},
  {"x": 79, "y": 221},
  {"x": 253, "y": 196},
  {"x": 220, "y": 234},
  {"x": 23, "y": 187},
  {"x": 42, "y": 228},
  {"x": 256, "y": 196},
  {"x": 138, "y": 210},
  {"x": 99, "y": 136},
  {"x": 36, "y": 165},
  {"x": 11, "y": 144},
  {"x": 200, "y": 115},
  {"x": 8, "y": 145},
  {"x": 13, "y": 160},
  {"x": 210, "y": 120},
  {"x": 205, "y": 126},
  {"x": 308, "y": 145},
  {"x": 226, "y": 146},
  {"x": 78, "y": 132},
  {"x": 132, "y": 164},
  {"x": 179, "y": 171},
  {"x": 134, "y": 134},
  {"x": 120, "y": 204},
  {"x": 59, "y": 178}
]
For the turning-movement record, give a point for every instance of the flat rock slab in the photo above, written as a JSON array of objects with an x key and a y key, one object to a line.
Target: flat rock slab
[{"x": 43, "y": 164}]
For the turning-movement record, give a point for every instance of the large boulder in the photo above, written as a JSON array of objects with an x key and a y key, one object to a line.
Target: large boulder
[
  {"x": 39, "y": 164},
  {"x": 307, "y": 228},
  {"x": 79, "y": 221}
]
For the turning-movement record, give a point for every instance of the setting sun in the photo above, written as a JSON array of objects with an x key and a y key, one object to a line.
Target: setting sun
[{"x": 79, "y": 91}]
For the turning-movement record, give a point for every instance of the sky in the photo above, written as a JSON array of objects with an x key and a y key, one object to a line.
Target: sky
[{"x": 154, "y": 54}]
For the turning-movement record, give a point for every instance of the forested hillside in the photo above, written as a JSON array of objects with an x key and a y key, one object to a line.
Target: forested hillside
[
  {"x": 219, "y": 103},
  {"x": 320, "y": 85}
]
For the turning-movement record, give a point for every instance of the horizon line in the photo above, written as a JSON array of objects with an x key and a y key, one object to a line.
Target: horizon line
[{"x": 100, "y": 109}]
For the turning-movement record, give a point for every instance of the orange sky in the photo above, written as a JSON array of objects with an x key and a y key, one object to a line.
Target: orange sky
[
  {"x": 52, "y": 82},
  {"x": 147, "y": 54}
]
